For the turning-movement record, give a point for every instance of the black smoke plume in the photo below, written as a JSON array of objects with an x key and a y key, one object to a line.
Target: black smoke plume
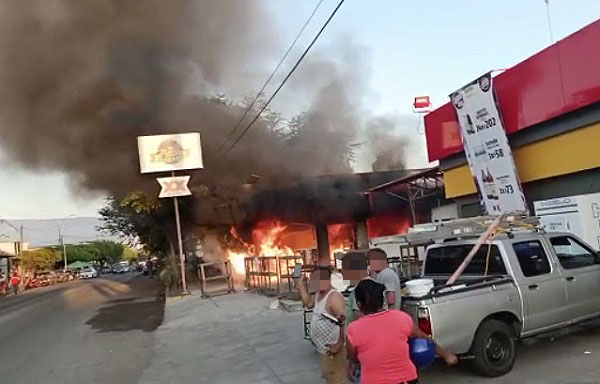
[{"x": 80, "y": 80}]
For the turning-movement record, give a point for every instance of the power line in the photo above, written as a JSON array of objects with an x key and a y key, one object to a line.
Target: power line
[
  {"x": 4, "y": 221},
  {"x": 285, "y": 79},
  {"x": 260, "y": 92}
]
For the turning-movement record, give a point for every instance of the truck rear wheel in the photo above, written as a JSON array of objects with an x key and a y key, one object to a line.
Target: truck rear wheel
[{"x": 494, "y": 348}]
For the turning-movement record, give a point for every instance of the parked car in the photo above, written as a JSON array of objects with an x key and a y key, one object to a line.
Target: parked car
[
  {"x": 536, "y": 282},
  {"x": 33, "y": 282},
  {"x": 88, "y": 273},
  {"x": 45, "y": 278},
  {"x": 122, "y": 267}
]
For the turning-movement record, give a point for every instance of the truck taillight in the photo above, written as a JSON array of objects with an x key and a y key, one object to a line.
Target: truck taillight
[{"x": 424, "y": 321}]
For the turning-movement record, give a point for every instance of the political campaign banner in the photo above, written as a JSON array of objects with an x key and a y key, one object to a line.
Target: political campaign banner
[{"x": 486, "y": 147}]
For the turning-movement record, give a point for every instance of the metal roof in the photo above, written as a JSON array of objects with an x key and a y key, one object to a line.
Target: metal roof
[{"x": 414, "y": 175}]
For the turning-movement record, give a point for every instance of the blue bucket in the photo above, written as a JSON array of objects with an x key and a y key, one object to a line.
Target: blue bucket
[{"x": 422, "y": 352}]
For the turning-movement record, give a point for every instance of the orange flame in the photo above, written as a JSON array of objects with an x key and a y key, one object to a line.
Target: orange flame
[
  {"x": 341, "y": 237},
  {"x": 266, "y": 238},
  {"x": 237, "y": 261}
]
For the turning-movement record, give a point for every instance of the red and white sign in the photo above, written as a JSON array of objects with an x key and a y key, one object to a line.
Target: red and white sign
[{"x": 422, "y": 104}]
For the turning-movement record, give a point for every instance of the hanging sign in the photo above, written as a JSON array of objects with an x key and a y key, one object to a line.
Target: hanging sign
[
  {"x": 486, "y": 147},
  {"x": 422, "y": 104}
]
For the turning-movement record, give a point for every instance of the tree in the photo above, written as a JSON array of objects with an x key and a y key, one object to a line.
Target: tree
[
  {"x": 38, "y": 259},
  {"x": 79, "y": 252},
  {"x": 107, "y": 251},
  {"x": 130, "y": 254},
  {"x": 101, "y": 251},
  {"x": 138, "y": 219}
]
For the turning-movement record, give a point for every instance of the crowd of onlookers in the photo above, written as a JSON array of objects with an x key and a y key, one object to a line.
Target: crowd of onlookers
[{"x": 365, "y": 337}]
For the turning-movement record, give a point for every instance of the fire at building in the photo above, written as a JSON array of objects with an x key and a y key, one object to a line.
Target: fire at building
[{"x": 312, "y": 219}]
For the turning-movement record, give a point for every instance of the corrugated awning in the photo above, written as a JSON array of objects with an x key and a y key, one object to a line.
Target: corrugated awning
[{"x": 429, "y": 172}]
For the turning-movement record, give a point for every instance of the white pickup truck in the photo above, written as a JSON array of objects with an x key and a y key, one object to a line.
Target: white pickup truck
[{"x": 520, "y": 285}]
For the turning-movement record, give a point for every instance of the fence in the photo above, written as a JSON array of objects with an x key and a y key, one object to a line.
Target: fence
[{"x": 272, "y": 275}]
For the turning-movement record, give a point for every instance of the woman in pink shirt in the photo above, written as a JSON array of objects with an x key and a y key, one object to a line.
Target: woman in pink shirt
[{"x": 379, "y": 340}]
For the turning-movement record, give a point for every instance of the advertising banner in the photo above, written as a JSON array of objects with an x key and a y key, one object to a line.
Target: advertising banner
[
  {"x": 486, "y": 147},
  {"x": 165, "y": 153}
]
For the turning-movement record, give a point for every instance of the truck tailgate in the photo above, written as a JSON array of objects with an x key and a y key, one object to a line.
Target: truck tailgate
[{"x": 456, "y": 315}]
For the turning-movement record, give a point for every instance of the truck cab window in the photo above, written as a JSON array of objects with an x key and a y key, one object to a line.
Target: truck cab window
[
  {"x": 532, "y": 258},
  {"x": 445, "y": 260},
  {"x": 572, "y": 254}
]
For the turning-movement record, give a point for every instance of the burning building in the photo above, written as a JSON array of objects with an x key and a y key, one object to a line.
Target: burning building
[
  {"x": 317, "y": 217},
  {"x": 82, "y": 80}
]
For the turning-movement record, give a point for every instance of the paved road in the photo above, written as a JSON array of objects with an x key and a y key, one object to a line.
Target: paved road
[
  {"x": 570, "y": 356},
  {"x": 95, "y": 331}
]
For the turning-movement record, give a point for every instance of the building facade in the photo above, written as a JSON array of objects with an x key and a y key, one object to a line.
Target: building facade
[{"x": 550, "y": 106}]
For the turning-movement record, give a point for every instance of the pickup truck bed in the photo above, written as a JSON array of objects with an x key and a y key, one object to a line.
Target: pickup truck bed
[{"x": 499, "y": 295}]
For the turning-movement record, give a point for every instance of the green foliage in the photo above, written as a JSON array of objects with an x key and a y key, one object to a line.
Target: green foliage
[
  {"x": 80, "y": 252},
  {"x": 130, "y": 254},
  {"x": 101, "y": 250},
  {"x": 39, "y": 259},
  {"x": 138, "y": 218},
  {"x": 108, "y": 251}
]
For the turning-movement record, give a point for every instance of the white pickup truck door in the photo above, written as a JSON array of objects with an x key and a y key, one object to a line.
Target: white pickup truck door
[
  {"x": 581, "y": 272},
  {"x": 542, "y": 286}
]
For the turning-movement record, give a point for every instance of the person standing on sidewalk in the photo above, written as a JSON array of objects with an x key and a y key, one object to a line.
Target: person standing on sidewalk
[
  {"x": 15, "y": 280},
  {"x": 327, "y": 324},
  {"x": 384, "y": 356},
  {"x": 355, "y": 268},
  {"x": 386, "y": 276}
]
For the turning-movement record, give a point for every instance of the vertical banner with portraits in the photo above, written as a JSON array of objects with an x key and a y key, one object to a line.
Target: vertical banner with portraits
[{"x": 487, "y": 149}]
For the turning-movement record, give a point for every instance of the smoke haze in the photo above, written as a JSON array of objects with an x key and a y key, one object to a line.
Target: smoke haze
[{"x": 80, "y": 80}]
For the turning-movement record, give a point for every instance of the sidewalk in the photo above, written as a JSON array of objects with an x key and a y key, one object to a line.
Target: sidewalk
[
  {"x": 237, "y": 339},
  {"x": 228, "y": 340}
]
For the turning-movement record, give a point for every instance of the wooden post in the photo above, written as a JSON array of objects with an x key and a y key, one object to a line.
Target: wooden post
[
  {"x": 203, "y": 282},
  {"x": 323, "y": 244},
  {"x": 484, "y": 236},
  {"x": 278, "y": 272}
]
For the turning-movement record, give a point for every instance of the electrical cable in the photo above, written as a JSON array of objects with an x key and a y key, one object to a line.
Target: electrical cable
[
  {"x": 262, "y": 89},
  {"x": 287, "y": 77}
]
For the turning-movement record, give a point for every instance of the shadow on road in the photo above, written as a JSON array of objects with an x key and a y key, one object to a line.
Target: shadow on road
[{"x": 143, "y": 309}]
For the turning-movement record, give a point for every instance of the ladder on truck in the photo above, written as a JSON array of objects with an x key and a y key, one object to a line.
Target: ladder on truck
[
  {"x": 470, "y": 227},
  {"x": 414, "y": 243}
]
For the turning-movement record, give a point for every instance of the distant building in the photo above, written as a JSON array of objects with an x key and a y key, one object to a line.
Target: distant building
[{"x": 8, "y": 250}]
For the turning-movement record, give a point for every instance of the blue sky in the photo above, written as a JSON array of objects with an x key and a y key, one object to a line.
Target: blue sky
[{"x": 411, "y": 47}]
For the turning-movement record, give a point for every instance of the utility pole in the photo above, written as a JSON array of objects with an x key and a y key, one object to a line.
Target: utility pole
[
  {"x": 61, "y": 239},
  {"x": 21, "y": 240}
]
